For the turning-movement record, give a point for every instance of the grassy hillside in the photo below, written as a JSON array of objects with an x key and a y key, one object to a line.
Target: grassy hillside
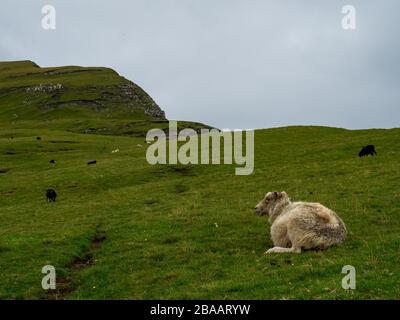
[
  {"x": 123, "y": 229},
  {"x": 92, "y": 100},
  {"x": 190, "y": 232},
  {"x": 29, "y": 92}
]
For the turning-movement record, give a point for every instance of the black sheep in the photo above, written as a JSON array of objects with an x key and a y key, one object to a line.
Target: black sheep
[
  {"x": 51, "y": 195},
  {"x": 367, "y": 150}
]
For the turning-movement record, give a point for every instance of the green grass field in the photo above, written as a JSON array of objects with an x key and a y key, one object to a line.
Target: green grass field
[{"x": 189, "y": 232}]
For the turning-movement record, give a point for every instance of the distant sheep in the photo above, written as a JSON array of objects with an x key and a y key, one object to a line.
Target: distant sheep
[
  {"x": 115, "y": 151},
  {"x": 52, "y": 161},
  {"x": 38, "y": 138},
  {"x": 92, "y": 162},
  {"x": 367, "y": 150},
  {"x": 139, "y": 145},
  {"x": 51, "y": 195}
]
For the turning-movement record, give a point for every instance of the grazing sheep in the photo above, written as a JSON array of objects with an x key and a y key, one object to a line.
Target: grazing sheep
[
  {"x": 300, "y": 225},
  {"x": 367, "y": 150},
  {"x": 115, "y": 151},
  {"x": 51, "y": 195},
  {"x": 92, "y": 162},
  {"x": 38, "y": 138},
  {"x": 52, "y": 161}
]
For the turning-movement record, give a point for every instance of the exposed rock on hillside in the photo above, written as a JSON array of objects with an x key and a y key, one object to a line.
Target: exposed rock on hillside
[{"x": 100, "y": 89}]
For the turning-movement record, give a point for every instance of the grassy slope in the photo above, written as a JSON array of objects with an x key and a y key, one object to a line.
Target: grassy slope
[
  {"x": 191, "y": 233},
  {"x": 90, "y": 101},
  {"x": 175, "y": 232}
]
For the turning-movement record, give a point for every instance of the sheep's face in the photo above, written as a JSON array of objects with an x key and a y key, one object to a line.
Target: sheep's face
[{"x": 268, "y": 203}]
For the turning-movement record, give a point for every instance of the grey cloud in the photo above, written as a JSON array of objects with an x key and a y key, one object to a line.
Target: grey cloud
[{"x": 228, "y": 63}]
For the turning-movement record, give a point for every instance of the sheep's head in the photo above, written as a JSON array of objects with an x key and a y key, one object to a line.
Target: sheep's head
[{"x": 271, "y": 199}]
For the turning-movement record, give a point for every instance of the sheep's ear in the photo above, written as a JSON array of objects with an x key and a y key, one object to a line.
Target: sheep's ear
[{"x": 280, "y": 194}]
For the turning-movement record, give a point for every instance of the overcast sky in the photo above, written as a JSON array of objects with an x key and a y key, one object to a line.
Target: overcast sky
[{"x": 228, "y": 63}]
